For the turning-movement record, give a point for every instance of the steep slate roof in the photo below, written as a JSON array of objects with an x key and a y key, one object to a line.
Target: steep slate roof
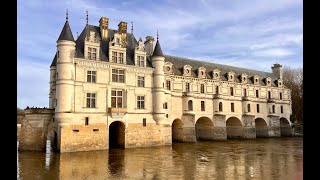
[
  {"x": 54, "y": 61},
  {"x": 66, "y": 33},
  {"x": 178, "y": 62}
]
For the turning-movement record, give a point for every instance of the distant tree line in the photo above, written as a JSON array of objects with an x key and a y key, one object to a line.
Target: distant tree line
[{"x": 293, "y": 79}]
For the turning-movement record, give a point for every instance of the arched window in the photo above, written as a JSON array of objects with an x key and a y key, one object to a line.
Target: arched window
[
  {"x": 190, "y": 106},
  {"x": 273, "y": 109},
  {"x": 231, "y": 91},
  {"x": 220, "y": 106},
  {"x": 249, "y": 108}
]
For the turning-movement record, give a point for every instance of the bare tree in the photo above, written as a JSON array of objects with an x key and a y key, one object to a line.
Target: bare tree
[{"x": 293, "y": 79}]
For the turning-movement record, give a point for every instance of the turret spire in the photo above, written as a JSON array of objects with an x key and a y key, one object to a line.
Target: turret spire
[
  {"x": 67, "y": 15},
  {"x": 157, "y": 50},
  {"x": 66, "y": 33}
]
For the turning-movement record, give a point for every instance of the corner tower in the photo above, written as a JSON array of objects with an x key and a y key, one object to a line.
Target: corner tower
[{"x": 158, "y": 83}]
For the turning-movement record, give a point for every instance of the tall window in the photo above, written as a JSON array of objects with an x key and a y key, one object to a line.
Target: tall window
[
  {"x": 257, "y": 93},
  {"x": 190, "y": 105},
  {"x": 220, "y": 106},
  {"x": 92, "y": 53},
  {"x": 140, "y": 102},
  {"x": 281, "y": 109},
  {"x": 91, "y": 76},
  {"x": 245, "y": 92},
  {"x": 258, "y": 108},
  {"x": 231, "y": 91},
  {"x": 273, "y": 109},
  {"x": 217, "y": 89},
  {"x": 91, "y": 100},
  {"x": 117, "y": 57},
  {"x": 116, "y": 98},
  {"x": 249, "y": 108},
  {"x": 165, "y": 105},
  {"x": 120, "y": 58},
  {"x": 114, "y": 57},
  {"x": 140, "y": 61},
  {"x": 202, "y": 88},
  {"x": 202, "y": 106},
  {"x": 280, "y": 96},
  {"x": 188, "y": 87},
  {"x": 140, "y": 81},
  {"x": 86, "y": 121},
  {"x": 168, "y": 85},
  {"x": 118, "y": 75},
  {"x": 232, "y": 107},
  {"x": 269, "y": 95}
]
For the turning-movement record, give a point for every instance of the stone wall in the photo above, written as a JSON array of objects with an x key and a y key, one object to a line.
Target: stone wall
[
  {"x": 234, "y": 132},
  {"x": 274, "y": 131},
  {"x": 286, "y": 131},
  {"x": 262, "y": 132},
  {"x": 18, "y": 131},
  {"x": 219, "y": 133},
  {"x": 249, "y": 132},
  {"x": 297, "y": 130},
  {"x": 84, "y": 138}
]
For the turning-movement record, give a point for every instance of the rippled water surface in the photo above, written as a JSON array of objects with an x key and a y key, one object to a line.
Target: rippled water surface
[{"x": 266, "y": 158}]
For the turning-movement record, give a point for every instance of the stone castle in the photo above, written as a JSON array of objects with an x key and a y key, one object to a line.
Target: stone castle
[{"x": 108, "y": 89}]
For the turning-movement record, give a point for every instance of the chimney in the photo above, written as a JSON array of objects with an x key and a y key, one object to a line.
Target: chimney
[
  {"x": 277, "y": 70},
  {"x": 148, "y": 44},
  {"x": 104, "y": 22},
  {"x": 122, "y": 27}
]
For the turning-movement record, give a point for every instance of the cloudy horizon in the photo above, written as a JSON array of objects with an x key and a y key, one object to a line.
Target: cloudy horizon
[{"x": 246, "y": 34}]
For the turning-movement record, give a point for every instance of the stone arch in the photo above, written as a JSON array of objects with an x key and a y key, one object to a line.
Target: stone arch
[
  {"x": 261, "y": 127},
  {"x": 234, "y": 128},
  {"x": 204, "y": 129},
  {"x": 285, "y": 127},
  {"x": 177, "y": 131},
  {"x": 117, "y": 135}
]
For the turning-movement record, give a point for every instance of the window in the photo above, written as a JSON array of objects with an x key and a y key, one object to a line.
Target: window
[
  {"x": 269, "y": 95},
  {"x": 202, "y": 88},
  {"x": 190, "y": 106},
  {"x": 165, "y": 105},
  {"x": 231, "y": 91},
  {"x": 91, "y": 100},
  {"x": 280, "y": 95},
  {"x": 116, "y": 98},
  {"x": 281, "y": 109},
  {"x": 140, "y": 102},
  {"x": 257, "y": 93},
  {"x": 118, "y": 40},
  {"x": 188, "y": 87},
  {"x": 273, "y": 109},
  {"x": 117, "y": 57},
  {"x": 232, "y": 107},
  {"x": 220, "y": 106},
  {"x": 87, "y": 121},
  {"x": 118, "y": 75},
  {"x": 144, "y": 122},
  {"x": 217, "y": 89},
  {"x": 91, "y": 76},
  {"x": 202, "y": 106},
  {"x": 140, "y": 81},
  {"x": 258, "y": 108},
  {"x": 140, "y": 61},
  {"x": 245, "y": 92},
  {"x": 168, "y": 85},
  {"x": 92, "y": 53},
  {"x": 249, "y": 109}
]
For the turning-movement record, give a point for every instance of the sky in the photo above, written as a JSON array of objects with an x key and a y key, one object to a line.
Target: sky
[{"x": 243, "y": 33}]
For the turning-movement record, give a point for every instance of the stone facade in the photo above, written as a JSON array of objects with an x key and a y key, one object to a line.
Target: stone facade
[{"x": 107, "y": 87}]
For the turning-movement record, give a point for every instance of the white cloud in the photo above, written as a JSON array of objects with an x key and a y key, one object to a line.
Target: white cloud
[{"x": 274, "y": 53}]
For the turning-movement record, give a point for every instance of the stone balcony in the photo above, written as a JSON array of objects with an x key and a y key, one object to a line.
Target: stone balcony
[
  {"x": 117, "y": 112},
  {"x": 247, "y": 113}
]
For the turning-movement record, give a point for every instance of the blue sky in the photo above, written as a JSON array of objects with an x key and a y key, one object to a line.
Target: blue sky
[{"x": 244, "y": 33}]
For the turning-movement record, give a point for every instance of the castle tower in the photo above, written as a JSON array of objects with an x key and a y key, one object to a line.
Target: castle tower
[
  {"x": 64, "y": 79},
  {"x": 277, "y": 70},
  {"x": 158, "y": 83}
]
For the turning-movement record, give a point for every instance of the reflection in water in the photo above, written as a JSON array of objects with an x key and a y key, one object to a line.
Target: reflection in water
[{"x": 267, "y": 158}]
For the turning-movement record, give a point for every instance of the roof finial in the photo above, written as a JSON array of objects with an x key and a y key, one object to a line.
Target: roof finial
[
  {"x": 157, "y": 35},
  {"x": 87, "y": 17},
  {"x": 67, "y": 15},
  {"x": 131, "y": 27}
]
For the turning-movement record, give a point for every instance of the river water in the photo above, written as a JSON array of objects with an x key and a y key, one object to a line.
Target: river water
[{"x": 263, "y": 158}]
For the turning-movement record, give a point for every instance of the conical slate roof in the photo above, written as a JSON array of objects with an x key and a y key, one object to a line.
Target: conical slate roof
[
  {"x": 66, "y": 33},
  {"x": 157, "y": 50}
]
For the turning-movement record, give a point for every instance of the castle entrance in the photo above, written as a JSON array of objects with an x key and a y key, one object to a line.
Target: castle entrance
[{"x": 116, "y": 135}]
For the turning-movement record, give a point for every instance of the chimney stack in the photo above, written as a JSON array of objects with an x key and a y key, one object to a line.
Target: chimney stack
[
  {"x": 277, "y": 70},
  {"x": 104, "y": 22},
  {"x": 122, "y": 27},
  {"x": 148, "y": 44}
]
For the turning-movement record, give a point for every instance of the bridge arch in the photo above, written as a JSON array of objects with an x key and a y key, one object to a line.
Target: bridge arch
[
  {"x": 177, "y": 131},
  {"x": 204, "y": 129},
  {"x": 117, "y": 135},
  {"x": 261, "y": 127},
  {"x": 234, "y": 128},
  {"x": 285, "y": 127}
]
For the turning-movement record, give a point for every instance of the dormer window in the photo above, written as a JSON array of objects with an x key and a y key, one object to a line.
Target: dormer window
[
  {"x": 201, "y": 72},
  {"x": 268, "y": 81},
  {"x": 92, "y": 53},
  {"x": 141, "y": 61},
  {"x": 118, "y": 41},
  {"x": 117, "y": 53},
  {"x": 216, "y": 74},
  {"x": 244, "y": 78},
  {"x": 231, "y": 76},
  {"x": 256, "y": 80},
  {"x": 168, "y": 67},
  {"x": 187, "y": 70},
  {"x": 91, "y": 46},
  {"x": 279, "y": 82}
]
